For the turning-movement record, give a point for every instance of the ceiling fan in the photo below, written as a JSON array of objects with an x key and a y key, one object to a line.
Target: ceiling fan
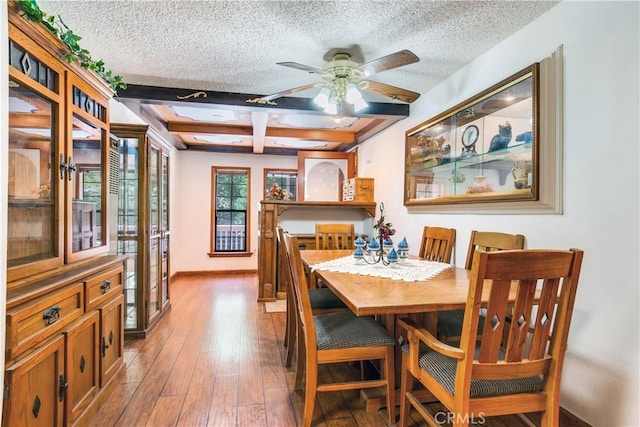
[{"x": 344, "y": 78}]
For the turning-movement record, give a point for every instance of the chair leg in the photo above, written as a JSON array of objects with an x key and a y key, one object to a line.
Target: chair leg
[
  {"x": 406, "y": 385},
  {"x": 550, "y": 417},
  {"x": 301, "y": 357},
  {"x": 290, "y": 332},
  {"x": 389, "y": 373},
  {"x": 310, "y": 395},
  {"x": 287, "y": 325}
]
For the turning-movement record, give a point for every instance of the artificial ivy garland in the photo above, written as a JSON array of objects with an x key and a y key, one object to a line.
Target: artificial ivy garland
[{"x": 55, "y": 24}]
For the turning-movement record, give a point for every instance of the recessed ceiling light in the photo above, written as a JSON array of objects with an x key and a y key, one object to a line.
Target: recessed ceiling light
[
  {"x": 313, "y": 121},
  {"x": 204, "y": 114},
  {"x": 218, "y": 139},
  {"x": 299, "y": 143}
]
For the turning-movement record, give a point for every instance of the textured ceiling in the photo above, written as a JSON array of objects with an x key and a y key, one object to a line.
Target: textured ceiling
[{"x": 233, "y": 46}]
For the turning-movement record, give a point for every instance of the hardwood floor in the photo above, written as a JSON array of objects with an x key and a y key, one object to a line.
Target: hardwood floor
[{"x": 216, "y": 359}]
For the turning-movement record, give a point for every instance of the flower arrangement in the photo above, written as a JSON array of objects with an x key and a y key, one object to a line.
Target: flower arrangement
[
  {"x": 385, "y": 229},
  {"x": 277, "y": 193}
]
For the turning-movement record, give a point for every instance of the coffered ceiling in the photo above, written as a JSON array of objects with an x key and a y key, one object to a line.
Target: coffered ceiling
[{"x": 196, "y": 69}]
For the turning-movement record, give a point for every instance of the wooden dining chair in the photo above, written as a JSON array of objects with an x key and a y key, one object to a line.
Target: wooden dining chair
[
  {"x": 337, "y": 337},
  {"x": 322, "y": 300},
  {"x": 450, "y": 322},
  {"x": 334, "y": 236},
  {"x": 483, "y": 379},
  {"x": 437, "y": 244}
]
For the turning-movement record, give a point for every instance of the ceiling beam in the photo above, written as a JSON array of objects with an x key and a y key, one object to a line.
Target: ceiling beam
[
  {"x": 177, "y": 96},
  {"x": 259, "y": 122},
  {"x": 313, "y": 134}
]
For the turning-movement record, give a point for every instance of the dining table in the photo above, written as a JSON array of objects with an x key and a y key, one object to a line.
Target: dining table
[{"x": 367, "y": 293}]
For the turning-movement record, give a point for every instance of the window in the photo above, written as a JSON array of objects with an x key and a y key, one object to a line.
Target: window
[
  {"x": 230, "y": 200},
  {"x": 287, "y": 179}
]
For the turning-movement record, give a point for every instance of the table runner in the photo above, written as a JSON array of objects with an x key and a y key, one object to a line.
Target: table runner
[{"x": 409, "y": 270}]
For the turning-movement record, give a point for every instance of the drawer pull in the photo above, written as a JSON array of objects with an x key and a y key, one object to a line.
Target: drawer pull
[
  {"x": 105, "y": 346},
  {"x": 51, "y": 315},
  {"x": 105, "y": 286},
  {"x": 63, "y": 387}
]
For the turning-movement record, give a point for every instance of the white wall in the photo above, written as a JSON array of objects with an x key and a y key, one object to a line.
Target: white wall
[
  {"x": 601, "y": 189},
  {"x": 192, "y": 207}
]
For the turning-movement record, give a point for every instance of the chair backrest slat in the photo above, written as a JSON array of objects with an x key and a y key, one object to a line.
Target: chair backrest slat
[
  {"x": 492, "y": 241},
  {"x": 437, "y": 244},
  {"x": 520, "y": 320},
  {"x": 496, "y": 320},
  {"x": 334, "y": 236}
]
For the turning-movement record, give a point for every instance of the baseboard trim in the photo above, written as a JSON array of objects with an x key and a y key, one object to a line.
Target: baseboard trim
[{"x": 211, "y": 273}]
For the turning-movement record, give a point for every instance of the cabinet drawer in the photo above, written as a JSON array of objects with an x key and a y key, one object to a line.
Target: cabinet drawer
[
  {"x": 31, "y": 323},
  {"x": 102, "y": 287}
]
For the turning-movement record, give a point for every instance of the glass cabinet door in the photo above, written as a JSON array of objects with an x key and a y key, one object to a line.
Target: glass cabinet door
[
  {"x": 128, "y": 229},
  {"x": 85, "y": 165},
  {"x": 165, "y": 229},
  {"x": 35, "y": 193},
  {"x": 33, "y": 181},
  {"x": 155, "y": 299},
  {"x": 88, "y": 201}
]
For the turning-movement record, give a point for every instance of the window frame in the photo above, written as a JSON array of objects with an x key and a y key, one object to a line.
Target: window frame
[
  {"x": 212, "y": 234},
  {"x": 266, "y": 185}
]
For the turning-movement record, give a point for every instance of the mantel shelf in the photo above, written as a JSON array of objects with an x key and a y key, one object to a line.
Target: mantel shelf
[{"x": 283, "y": 205}]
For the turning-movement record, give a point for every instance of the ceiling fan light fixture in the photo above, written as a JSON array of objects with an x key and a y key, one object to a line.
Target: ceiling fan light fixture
[
  {"x": 360, "y": 104},
  {"x": 353, "y": 94},
  {"x": 331, "y": 109},
  {"x": 322, "y": 98}
]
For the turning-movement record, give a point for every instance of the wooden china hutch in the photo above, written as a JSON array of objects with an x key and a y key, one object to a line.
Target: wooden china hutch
[
  {"x": 65, "y": 306},
  {"x": 143, "y": 225}
]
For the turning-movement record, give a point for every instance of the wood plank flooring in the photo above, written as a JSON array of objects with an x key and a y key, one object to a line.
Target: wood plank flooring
[{"x": 216, "y": 359}]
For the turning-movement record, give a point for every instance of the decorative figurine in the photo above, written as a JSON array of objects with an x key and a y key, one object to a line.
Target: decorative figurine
[{"x": 502, "y": 139}]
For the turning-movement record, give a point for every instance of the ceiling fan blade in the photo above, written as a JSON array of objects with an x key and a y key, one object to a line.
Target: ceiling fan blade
[
  {"x": 389, "y": 91},
  {"x": 302, "y": 67},
  {"x": 288, "y": 92},
  {"x": 394, "y": 60}
]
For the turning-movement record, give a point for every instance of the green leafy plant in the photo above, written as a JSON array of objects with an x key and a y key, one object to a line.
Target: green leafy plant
[{"x": 32, "y": 12}]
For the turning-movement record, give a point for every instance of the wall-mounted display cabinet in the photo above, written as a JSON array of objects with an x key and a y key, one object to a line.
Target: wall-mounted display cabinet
[
  {"x": 482, "y": 150},
  {"x": 143, "y": 224},
  {"x": 64, "y": 313}
]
